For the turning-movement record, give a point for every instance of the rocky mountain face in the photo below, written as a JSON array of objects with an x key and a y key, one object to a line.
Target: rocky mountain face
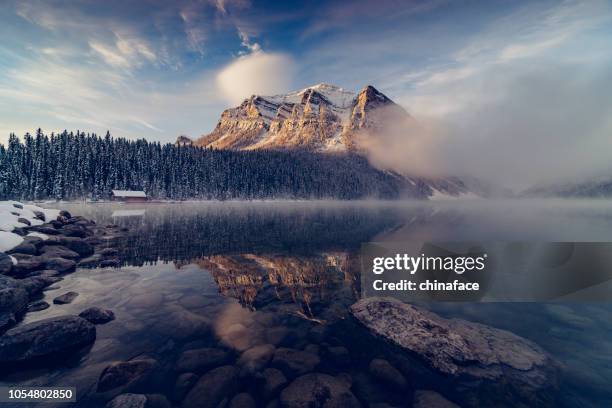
[{"x": 319, "y": 118}]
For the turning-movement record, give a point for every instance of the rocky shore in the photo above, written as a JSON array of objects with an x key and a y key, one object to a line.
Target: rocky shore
[{"x": 41, "y": 246}]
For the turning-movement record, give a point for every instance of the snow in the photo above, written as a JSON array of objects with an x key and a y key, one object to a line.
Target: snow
[
  {"x": 38, "y": 235},
  {"x": 9, "y": 240},
  {"x": 129, "y": 193},
  {"x": 9, "y": 216}
]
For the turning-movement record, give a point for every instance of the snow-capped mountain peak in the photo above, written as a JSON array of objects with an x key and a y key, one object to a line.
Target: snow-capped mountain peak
[{"x": 322, "y": 117}]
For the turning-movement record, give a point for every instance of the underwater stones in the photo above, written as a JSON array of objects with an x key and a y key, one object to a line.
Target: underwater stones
[
  {"x": 318, "y": 390},
  {"x": 242, "y": 400},
  {"x": 212, "y": 388},
  {"x": 273, "y": 381},
  {"x": 126, "y": 375},
  {"x": 431, "y": 399},
  {"x": 256, "y": 358},
  {"x": 294, "y": 362},
  {"x": 97, "y": 315},
  {"x": 128, "y": 401},
  {"x": 201, "y": 360},
  {"x": 462, "y": 353},
  {"x": 45, "y": 338},
  {"x": 66, "y": 298},
  {"x": 384, "y": 372},
  {"x": 183, "y": 384}
]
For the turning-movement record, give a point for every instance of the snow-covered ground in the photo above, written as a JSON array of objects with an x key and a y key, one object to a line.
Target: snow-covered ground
[{"x": 11, "y": 212}]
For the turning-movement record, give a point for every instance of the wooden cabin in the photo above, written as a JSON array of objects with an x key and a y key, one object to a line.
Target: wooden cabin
[{"x": 129, "y": 196}]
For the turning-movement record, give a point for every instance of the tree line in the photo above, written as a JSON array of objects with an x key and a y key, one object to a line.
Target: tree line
[{"x": 77, "y": 166}]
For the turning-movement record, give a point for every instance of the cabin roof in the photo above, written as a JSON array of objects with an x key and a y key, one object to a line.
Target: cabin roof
[{"x": 129, "y": 193}]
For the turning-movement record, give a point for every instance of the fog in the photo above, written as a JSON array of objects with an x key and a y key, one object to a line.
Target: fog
[{"x": 512, "y": 126}]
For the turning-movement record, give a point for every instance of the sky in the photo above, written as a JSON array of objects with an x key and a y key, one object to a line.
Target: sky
[{"x": 517, "y": 91}]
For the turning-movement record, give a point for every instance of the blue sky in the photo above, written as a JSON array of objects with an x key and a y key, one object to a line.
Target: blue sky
[{"x": 157, "y": 69}]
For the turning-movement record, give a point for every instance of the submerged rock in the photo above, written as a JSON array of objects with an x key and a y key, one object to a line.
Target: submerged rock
[
  {"x": 318, "y": 390},
  {"x": 66, "y": 298},
  {"x": 294, "y": 362},
  {"x": 212, "y": 388},
  {"x": 128, "y": 401},
  {"x": 201, "y": 360},
  {"x": 431, "y": 399},
  {"x": 38, "y": 306},
  {"x": 242, "y": 400},
  {"x": 45, "y": 338},
  {"x": 478, "y": 359},
  {"x": 126, "y": 375},
  {"x": 383, "y": 371},
  {"x": 274, "y": 381},
  {"x": 97, "y": 315}
]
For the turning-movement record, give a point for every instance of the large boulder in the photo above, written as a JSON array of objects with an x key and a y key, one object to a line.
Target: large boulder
[
  {"x": 45, "y": 338},
  {"x": 59, "y": 251},
  {"x": 60, "y": 264},
  {"x": 78, "y": 245},
  {"x": 213, "y": 387},
  {"x": 490, "y": 366},
  {"x": 318, "y": 390}
]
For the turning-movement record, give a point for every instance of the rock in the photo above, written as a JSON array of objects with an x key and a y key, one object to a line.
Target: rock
[
  {"x": 183, "y": 384},
  {"x": 242, "y": 400},
  {"x": 26, "y": 264},
  {"x": 25, "y": 248},
  {"x": 318, "y": 390},
  {"x": 66, "y": 298},
  {"x": 157, "y": 401},
  {"x": 128, "y": 401},
  {"x": 45, "y": 338},
  {"x": 60, "y": 264},
  {"x": 45, "y": 229},
  {"x": 294, "y": 362},
  {"x": 72, "y": 230},
  {"x": 212, "y": 387},
  {"x": 485, "y": 363},
  {"x": 38, "y": 306},
  {"x": 65, "y": 214},
  {"x": 91, "y": 261},
  {"x": 39, "y": 215},
  {"x": 201, "y": 360},
  {"x": 126, "y": 375},
  {"x": 18, "y": 205},
  {"x": 338, "y": 355},
  {"x": 35, "y": 284},
  {"x": 59, "y": 251},
  {"x": 24, "y": 221},
  {"x": 256, "y": 358},
  {"x": 274, "y": 381},
  {"x": 97, "y": 315},
  {"x": 13, "y": 302},
  {"x": 384, "y": 372},
  {"x": 109, "y": 252},
  {"x": 56, "y": 224},
  {"x": 78, "y": 245},
  {"x": 431, "y": 399},
  {"x": 6, "y": 264},
  {"x": 110, "y": 263}
]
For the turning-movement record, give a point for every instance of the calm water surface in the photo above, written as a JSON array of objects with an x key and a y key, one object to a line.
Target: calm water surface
[{"x": 243, "y": 274}]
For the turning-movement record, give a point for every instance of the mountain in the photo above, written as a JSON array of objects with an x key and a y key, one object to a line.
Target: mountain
[
  {"x": 595, "y": 188},
  {"x": 323, "y": 118}
]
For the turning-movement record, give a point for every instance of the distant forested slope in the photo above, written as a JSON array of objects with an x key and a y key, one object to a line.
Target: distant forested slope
[{"x": 70, "y": 166}]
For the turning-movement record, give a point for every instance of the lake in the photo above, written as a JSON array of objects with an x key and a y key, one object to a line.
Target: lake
[{"x": 235, "y": 274}]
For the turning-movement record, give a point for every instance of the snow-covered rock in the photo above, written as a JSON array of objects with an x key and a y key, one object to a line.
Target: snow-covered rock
[{"x": 14, "y": 214}]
